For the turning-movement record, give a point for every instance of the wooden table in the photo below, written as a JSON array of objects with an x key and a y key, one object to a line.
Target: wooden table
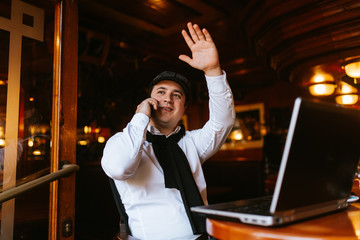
[{"x": 343, "y": 225}]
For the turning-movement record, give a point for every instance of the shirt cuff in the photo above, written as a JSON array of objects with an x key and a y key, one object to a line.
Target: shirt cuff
[
  {"x": 217, "y": 84},
  {"x": 140, "y": 120}
]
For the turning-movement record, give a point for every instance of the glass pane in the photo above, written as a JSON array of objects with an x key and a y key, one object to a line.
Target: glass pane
[
  {"x": 26, "y": 75},
  {"x": 4, "y": 45}
]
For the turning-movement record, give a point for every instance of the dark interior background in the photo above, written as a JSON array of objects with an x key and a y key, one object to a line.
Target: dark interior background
[{"x": 268, "y": 48}]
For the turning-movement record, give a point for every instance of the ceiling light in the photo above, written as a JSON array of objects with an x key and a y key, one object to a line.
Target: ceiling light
[
  {"x": 322, "y": 89},
  {"x": 347, "y": 99},
  {"x": 346, "y": 94},
  {"x": 345, "y": 88},
  {"x": 322, "y": 84},
  {"x": 352, "y": 68}
]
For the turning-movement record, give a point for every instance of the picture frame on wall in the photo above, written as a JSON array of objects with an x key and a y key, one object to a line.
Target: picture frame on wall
[{"x": 249, "y": 128}]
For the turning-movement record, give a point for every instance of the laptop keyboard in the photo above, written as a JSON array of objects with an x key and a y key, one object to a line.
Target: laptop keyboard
[{"x": 259, "y": 207}]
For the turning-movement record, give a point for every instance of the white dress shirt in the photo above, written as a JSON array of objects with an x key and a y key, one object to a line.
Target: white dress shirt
[{"x": 156, "y": 212}]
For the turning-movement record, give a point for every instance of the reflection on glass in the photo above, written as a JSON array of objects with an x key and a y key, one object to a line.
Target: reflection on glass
[{"x": 25, "y": 151}]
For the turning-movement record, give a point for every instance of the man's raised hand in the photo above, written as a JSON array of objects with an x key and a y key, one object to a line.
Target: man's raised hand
[{"x": 205, "y": 56}]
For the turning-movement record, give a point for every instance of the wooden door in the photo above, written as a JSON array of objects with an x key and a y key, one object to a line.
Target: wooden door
[{"x": 38, "y": 84}]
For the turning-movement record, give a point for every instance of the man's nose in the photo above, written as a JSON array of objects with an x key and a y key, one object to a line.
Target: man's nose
[{"x": 168, "y": 98}]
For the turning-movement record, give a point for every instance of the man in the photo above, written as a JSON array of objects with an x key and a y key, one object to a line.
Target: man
[{"x": 155, "y": 163}]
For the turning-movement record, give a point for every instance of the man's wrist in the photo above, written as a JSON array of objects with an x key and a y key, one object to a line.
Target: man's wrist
[{"x": 213, "y": 72}]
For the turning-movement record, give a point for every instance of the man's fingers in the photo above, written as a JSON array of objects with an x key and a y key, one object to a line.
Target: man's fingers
[
  {"x": 207, "y": 35},
  {"x": 187, "y": 38},
  {"x": 153, "y": 102},
  {"x": 155, "y": 106},
  {"x": 198, "y": 32},
  {"x": 185, "y": 58},
  {"x": 192, "y": 32}
]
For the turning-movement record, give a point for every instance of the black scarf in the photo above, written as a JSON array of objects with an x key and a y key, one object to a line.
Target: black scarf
[{"x": 178, "y": 175}]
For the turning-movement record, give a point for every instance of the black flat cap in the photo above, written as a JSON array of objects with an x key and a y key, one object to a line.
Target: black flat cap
[{"x": 172, "y": 76}]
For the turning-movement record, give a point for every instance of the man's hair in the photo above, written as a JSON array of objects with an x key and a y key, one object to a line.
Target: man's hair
[{"x": 175, "y": 77}]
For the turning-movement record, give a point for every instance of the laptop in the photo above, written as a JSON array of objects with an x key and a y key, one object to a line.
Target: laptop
[{"x": 316, "y": 173}]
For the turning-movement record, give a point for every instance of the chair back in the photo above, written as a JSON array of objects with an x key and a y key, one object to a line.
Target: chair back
[{"x": 124, "y": 219}]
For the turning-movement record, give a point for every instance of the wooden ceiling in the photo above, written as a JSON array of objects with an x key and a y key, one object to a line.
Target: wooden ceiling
[
  {"x": 259, "y": 41},
  {"x": 147, "y": 34},
  {"x": 262, "y": 43}
]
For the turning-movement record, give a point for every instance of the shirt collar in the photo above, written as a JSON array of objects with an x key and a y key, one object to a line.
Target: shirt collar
[{"x": 153, "y": 130}]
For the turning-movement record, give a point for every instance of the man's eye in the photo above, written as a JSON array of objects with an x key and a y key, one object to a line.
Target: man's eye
[
  {"x": 177, "y": 96},
  {"x": 161, "y": 92}
]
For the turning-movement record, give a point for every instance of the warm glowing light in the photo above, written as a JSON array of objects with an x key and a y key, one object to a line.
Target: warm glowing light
[
  {"x": 57, "y": 42},
  {"x": 2, "y": 142},
  {"x": 237, "y": 135},
  {"x": 83, "y": 142},
  {"x": 347, "y": 99},
  {"x": 353, "y": 69},
  {"x": 2, "y": 132},
  {"x": 30, "y": 143},
  {"x": 97, "y": 130},
  {"x": 318, "y": 78},
  {"x": 157, "y": 4},
  {"x": 37, "y": 152},
  {"x": 87, "y": 129},
  {"x": 346, "y": 88},
  {"x": 322, "y": 84},
  {"x": 101, "y": 139},
  {"x": 43, "y": 129},
  {"x": 32, "y": 130},
  {"x": 31, "y": 99},
  {"x": 263, "y": 131},
  {"x": 346, "y": 94},
  {"x": 322, "y": 89}
]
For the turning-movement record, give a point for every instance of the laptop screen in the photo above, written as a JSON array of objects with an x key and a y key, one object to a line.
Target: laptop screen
[{"x": 320, "y": 156}]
